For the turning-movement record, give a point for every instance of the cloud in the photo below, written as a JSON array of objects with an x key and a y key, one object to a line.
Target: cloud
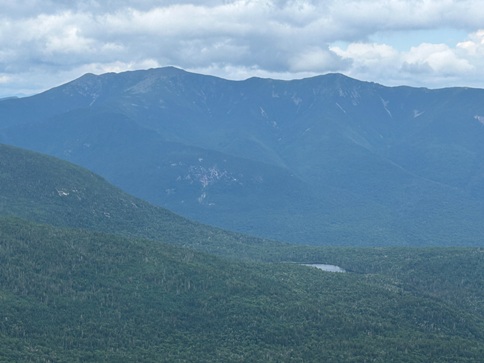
[
  {"x": 368, "y": 55},
  {"x": 430, "y": 65},
  {"x": 474, "y": 46},
  {"x": 49, "y": 40},
  {"x": 4, "y": 78},
  {"x": 317, "y": 60},
  {"x": 439, "y": 58}
]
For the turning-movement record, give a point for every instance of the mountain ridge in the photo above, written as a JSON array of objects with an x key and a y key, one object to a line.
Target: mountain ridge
[{"x": 324, "y": 158}]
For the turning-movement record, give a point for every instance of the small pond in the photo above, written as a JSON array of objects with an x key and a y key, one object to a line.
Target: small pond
[{"x": 330, "y": 268}]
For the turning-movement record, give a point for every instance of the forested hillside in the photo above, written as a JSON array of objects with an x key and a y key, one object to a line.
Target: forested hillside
[
  {"x": 73, "y": 295},
  {"x": 48, "y": 190},
  {"x": 135, "y": 286}
]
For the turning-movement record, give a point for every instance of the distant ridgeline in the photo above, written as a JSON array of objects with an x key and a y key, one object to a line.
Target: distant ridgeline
[
  {"x": 327, "y": 160},
  {"x": 107, "y": 277}
]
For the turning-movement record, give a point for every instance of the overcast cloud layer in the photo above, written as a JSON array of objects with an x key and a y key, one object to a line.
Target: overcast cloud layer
[{"x": 431, "y": 43}]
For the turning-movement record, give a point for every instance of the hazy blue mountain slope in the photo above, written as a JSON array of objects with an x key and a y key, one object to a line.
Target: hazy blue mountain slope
[
  {"x": 48, "y": 190},
  {"x": 327, "y": 159}
]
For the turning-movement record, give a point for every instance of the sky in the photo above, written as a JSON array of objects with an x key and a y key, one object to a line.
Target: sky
[{"x": 421, "y": 43}]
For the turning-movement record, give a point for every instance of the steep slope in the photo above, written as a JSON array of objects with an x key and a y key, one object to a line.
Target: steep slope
[
  {"x": 322, "y": 160},
  {"x": 48, "y": 190}
]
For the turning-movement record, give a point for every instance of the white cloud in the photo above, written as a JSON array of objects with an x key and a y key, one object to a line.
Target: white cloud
[
  {"x": 4, "y": 78},
  {"x": 430, "y": 65},
  {"x": 439, "y": 57},
  {"x": 316, "y": 60},
  {"x": 368, "y": 55},
  {"x": 474, "y": 46},
  {"x": 54, "y": 39}
]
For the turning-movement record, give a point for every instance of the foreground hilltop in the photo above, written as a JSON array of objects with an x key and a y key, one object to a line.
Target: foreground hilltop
[{"x": 323, "y": 160}]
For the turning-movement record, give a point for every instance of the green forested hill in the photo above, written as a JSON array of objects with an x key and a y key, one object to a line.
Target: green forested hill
[
  {"x": 48, "y": 190},
  {"x": 74, "y": 295},
  {"x": 108, "y": 278}
]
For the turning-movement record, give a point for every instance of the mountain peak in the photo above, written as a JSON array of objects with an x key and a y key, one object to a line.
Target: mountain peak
[{"x": 328, "y": 148}]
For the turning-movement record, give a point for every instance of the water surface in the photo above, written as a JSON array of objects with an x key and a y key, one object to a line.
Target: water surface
[{"x": 330, "y": 268}]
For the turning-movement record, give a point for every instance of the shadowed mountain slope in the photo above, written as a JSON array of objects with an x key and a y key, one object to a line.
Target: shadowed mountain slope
[
  {"x": 324, "y": 160},
  {"x": 47, "y": 190}
]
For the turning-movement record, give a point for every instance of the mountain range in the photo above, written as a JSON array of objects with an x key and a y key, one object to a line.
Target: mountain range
[{"x": 327, "y": 160}]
